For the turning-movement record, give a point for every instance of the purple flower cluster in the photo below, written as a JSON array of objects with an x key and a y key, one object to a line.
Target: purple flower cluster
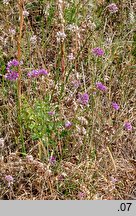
[
  {"x": 83, "y": 98},
  {"x": 115, "y": 106},
  {"x": 9, "y": 179},
  {"x": 81, "y": 195},
  {"x": 12, "y": 75},
  {"x": 52, "y": 160},
  {"x": 51, "y": 113},
  {"x": 12, "y": 63},
  {"x": 68, "y": 124},
  {"x": 113, "y": 8},
  {"x": 128, "y": 126},
  {"x": 33, "y": 73},
  {"x": 76, "y": 83},
  {"x": 98, "y": 51},
  {"x": 36, "y": 73},
  {"x": 100, "y": 86}
]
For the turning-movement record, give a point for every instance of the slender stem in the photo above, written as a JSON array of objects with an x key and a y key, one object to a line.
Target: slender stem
[
  {"x": 21, "y": 17},
  {"x": 63, "y": 59},
  {"x": 62, "y": 29}
]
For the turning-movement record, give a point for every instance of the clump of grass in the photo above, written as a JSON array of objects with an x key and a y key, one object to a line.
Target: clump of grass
[{"x": 67, "y": 100}]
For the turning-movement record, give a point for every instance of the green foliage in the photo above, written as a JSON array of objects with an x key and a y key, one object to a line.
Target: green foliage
[
  {"x": 40, "y": 124},
  {"x": 51, "y": 15},
  {"x": 134, "y": 46},
  {"x": 2, "y": 63},
  {"x": 70, "y": 14}
]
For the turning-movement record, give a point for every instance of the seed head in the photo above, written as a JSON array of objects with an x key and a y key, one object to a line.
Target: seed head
[
  {"x": 1, "y": 142},
  {"x": 6, "y": 2}
]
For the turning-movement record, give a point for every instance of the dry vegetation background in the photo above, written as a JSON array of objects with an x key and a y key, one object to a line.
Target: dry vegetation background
[{"x": 62, "y": 137}]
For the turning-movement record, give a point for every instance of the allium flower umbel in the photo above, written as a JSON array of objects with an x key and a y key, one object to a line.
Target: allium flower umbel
[
  {"x": 11, "y": 76},
  {"x": 42, "y": 72},
  {"x": 112, "y": 8},
  {"x": 25, "y": 13},
  {"x": 51, "y": 113},
  {"x": 36, "y": 73},
  {"x": 12, "y": 63},
  {"x": 68, "y": 124},
  {"x": 100, "y": 86},
  {"x": 52, "y": 160},
  {"x": 98, "y": 51},
  {"x": 83, "y": 98},
  {"x": 33, "y": 73},
  {"x": 76, "y": 83},
  {"x": 81, "y": 195},
  {"x": 128, "y": 126},
  {"x": 115, "y": 106},
  {"x": 9, "y": 179}
]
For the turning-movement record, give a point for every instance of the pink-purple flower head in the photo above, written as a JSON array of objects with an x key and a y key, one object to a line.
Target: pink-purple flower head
[
  {"x": 113, "y": 8},
  {"x": 76, "y": 83},
  {"x": 12, "y": 63},
  {"x": 128, "y": 126},
  {"x": 33, "y": 73},
  {"x": 61, "y": 177},
  {"x": 115, "y": 106},
  {"x": 42, "y": 72},
  {"x": 68, "y": 124},
  {"x": 52, "y": 160},
  {"x": 81, "y": 195},
  {"x": 83, "y": 98},
  {"x": 36, "y": 73},
  {"x": 113, "y": 180},
  {"x": 97, "y": 51},
  {"x": 9, "y": 179},
  {"x": 29, "y": 158},
  {"x": 12, "y": 76},
  {"x": 101, "y": 87},
  {"x": 51, "y": 113}
]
